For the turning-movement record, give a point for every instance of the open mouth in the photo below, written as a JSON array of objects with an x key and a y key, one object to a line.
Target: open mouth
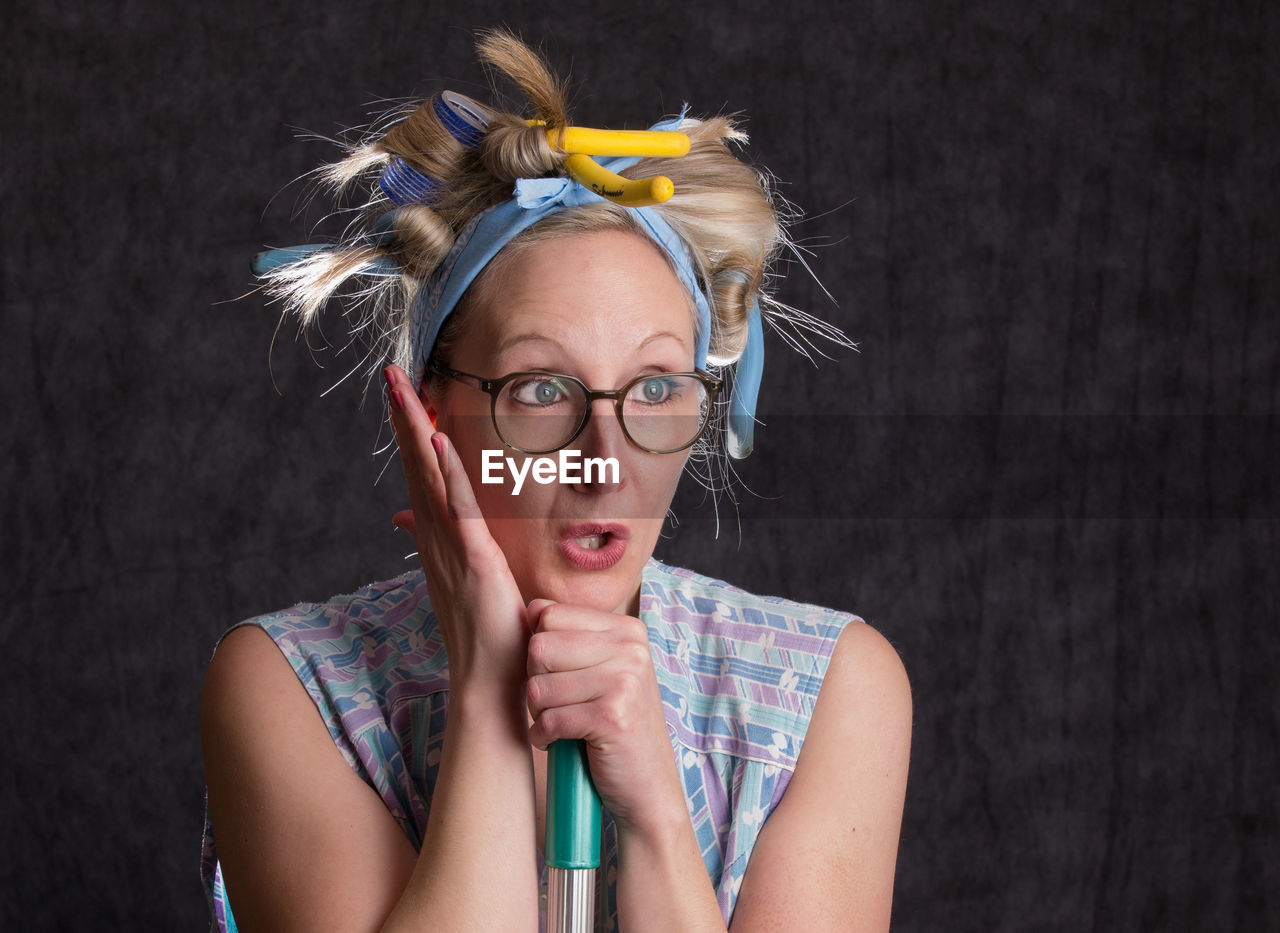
[{"x": 594, "y": 546}]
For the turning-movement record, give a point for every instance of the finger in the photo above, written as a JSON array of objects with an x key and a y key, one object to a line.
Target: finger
[
  {"x": 570, "y": 651},
  {"x": 606, "y": 718},
  {"x": 535, "y": 609},
  {"x": 460, "y": 498},
  {"x": 396, "y": 377},
  {"x": 458, "y": 491},
  {"x": 571, "y": 688},
  {"x": 432, "y": 466},
  {"x": 561, "y": 722},
  {"x": 402, "y": 389},
  {"x": 417, "y": 455},
  {"x": 566, "y": 616}
]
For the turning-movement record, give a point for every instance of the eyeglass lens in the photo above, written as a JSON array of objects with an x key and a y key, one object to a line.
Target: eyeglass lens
[{"x": 539, "y": 412}]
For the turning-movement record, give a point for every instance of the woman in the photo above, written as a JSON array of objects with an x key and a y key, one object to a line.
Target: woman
[{"x": 751, "y": 753}]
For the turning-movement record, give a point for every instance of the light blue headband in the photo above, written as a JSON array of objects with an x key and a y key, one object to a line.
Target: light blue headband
[{"x": 491, "y": 230}]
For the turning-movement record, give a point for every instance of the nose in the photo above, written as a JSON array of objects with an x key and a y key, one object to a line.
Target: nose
[{"x": 602, "y": 438}]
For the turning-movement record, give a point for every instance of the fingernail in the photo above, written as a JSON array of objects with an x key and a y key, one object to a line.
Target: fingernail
[
  {"x": 396, "y": 401},
  {"x": 389, "y": 376},
  {"x": 437, "y": 443}
]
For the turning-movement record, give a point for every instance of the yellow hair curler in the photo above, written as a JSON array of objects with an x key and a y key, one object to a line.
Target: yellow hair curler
[
  {"x": 587, "y": 141},
  {"x": 639, "y": 192},
  {"x": 582, "y": 142}
]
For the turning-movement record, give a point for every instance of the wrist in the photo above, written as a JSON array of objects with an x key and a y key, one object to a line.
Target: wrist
[
  {"x": 488, "y": 706},
  {"x": 487, "y": 677},
  {"x": 658, "y": 832},
  {"x": 663, "y": 855}
]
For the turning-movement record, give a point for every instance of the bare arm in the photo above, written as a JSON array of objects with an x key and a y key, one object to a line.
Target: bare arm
[
  {"x": 662, "y": 880},
  {"x": 825, "y": 859},
  {"x": 305, "y": 844}
]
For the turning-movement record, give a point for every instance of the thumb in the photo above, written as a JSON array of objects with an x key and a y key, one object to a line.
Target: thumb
[{"x": 535, "y": 610}]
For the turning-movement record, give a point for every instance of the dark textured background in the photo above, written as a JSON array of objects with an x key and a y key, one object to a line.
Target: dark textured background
[{"x": 1049, "y": 476}]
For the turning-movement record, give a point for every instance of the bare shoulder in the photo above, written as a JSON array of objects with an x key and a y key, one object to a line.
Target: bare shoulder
[
  {"x": 867, "y": 671},
  {"x": 252, "y": 696},
  {"x": 842, "y": 810},
  {"x": 861, "y": 724},
  {"x": 283, "y": 801},
  {"x": 246, "y": 665}
]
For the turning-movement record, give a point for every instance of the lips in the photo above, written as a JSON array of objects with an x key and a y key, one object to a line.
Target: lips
[{"x": 594, "y": 545}]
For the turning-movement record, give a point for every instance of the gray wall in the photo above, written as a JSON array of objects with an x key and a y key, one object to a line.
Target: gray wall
[{"x": 1049, "y": 476}]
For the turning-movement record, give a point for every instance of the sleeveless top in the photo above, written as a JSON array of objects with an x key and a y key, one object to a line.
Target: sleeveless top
[{"x": 738, "y": 676}]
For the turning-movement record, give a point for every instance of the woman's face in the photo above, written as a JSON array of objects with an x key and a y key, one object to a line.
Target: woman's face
[{"x": 604, "y": 307}]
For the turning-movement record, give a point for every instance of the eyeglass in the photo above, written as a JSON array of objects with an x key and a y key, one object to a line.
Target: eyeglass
[{"x": 540, "y": 412}]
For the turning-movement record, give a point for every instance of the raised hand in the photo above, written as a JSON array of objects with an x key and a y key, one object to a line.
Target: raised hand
[{"x": 474, "y": 596}]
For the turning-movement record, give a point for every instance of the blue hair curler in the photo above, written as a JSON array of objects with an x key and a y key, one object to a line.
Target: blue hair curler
[
  {"x": 269, "y": 260},
  {"x": 465, "y": 119},
  {"x": 746, "y": 388},
  {"x": 403, "y": 184},
  {"x": 382, "y": 234}
]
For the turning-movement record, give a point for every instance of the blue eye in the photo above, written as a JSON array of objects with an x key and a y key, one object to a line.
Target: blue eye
[
  {"x": 656, "y": 391},
  {"x": 537, "y": 391}
]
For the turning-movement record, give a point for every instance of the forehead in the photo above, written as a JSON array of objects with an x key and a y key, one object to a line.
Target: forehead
[{"x": 607, "y": 289}]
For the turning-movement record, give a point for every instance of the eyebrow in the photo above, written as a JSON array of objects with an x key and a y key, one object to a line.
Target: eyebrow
[
  {"x": 525, "y": 338},
  {"x": 530, "y": 337},
  {"x": 660, "y": 334}
]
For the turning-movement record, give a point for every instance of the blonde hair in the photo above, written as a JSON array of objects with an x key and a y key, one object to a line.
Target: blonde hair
[{"x": 723, "y": 209}]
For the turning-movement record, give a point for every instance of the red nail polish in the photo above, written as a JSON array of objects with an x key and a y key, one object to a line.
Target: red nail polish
[
  {"x": 437, "y": 444},
  {"x": 389, "y": 376}
]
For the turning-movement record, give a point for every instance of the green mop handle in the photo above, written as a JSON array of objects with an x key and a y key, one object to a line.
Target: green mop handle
[{"x": 572, "y": 846}]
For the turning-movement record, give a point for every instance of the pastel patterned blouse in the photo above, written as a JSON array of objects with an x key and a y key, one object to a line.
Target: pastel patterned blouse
[{"x": 738, "y": 675}]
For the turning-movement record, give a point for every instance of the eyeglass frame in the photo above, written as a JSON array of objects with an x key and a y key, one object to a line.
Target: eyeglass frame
[{"x": 494, "y": 388}]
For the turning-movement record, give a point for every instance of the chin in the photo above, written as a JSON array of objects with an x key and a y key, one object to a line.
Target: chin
[{"x": 604, "y": 590}]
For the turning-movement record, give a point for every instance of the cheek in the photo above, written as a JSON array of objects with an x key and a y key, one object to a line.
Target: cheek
[
  {"x": 469, "y": 427},
  {"x": 497, "y": 502},
  {"x": 512, "y": 535},
  {"x": 528, "y": 545},
  {"x": 659, "y": 488},
  {"x": 659, "y": 476}
]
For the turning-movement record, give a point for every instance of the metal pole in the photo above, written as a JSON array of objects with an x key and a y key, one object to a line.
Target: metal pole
[{"x": 572, "y": 846}]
